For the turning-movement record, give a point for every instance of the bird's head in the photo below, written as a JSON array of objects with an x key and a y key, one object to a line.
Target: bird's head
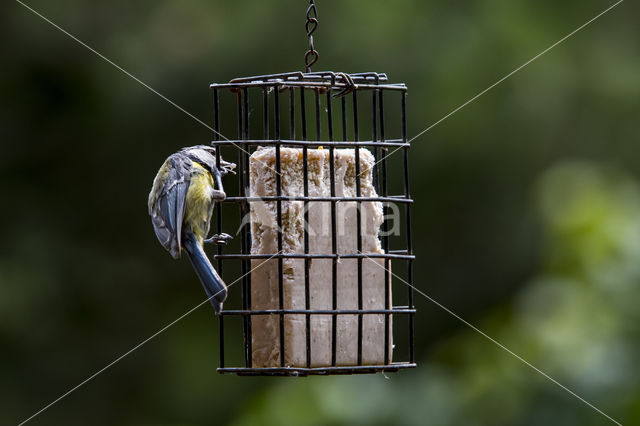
[
  {"x": 203, "y": 154},
  {"x": 206, "y": 155}
]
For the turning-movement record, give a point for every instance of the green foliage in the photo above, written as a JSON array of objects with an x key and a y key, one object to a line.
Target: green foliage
[{"x": 527, "y": 210}]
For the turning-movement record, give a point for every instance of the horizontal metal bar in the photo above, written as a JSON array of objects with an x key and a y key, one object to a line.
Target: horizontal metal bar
[
  {"x": 393, "y": 199},
  {"x": 295, "y": 371},
  {"x": 309, "y": 84},
  {"x": 370, "y": 75},
  {"x": 240, "y": 312},
  {"x": 288, "y": 142},
  {"x": 314, "y": 256},
  {"x": 327, "y": 75}
]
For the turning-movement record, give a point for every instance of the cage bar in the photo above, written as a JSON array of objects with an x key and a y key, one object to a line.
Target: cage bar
[
  {"x": 326, "y": 89},
  {"x": 334, "y": 245},
  {"x": 218, "y": 209}
]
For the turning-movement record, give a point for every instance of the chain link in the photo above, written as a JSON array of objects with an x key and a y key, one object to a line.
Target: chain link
[{"x": 311, "y": 57}]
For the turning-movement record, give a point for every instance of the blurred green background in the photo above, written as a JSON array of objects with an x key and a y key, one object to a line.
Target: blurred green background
[{"x": 527, "y": 214}]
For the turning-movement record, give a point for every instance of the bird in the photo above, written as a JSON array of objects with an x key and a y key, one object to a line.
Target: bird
[{"x": 181, "y": 201}]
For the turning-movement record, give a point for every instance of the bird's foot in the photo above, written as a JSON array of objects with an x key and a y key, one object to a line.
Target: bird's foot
[
  {"x": 218, "y": 195},
  {"x": 219, "y": 239}
]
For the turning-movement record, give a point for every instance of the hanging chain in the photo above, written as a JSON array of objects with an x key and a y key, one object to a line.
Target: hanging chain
[{"x": 311, "y": 57}]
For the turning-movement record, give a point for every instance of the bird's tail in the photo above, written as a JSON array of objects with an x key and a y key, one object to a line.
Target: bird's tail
[{"x": 213, "y": 285}]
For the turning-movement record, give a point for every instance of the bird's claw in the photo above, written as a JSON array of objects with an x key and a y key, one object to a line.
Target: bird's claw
[
  {"x": 219, "y": 195},
  {"x": 219, "y": 239}
]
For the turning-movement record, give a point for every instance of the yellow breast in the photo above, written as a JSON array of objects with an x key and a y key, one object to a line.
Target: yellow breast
[{"x": 199, "y": 201}]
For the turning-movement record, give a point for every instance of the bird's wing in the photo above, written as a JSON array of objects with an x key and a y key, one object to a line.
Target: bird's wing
[{"x": 168, "y": 209}]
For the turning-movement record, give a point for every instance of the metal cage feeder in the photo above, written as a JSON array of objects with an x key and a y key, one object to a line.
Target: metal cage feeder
[{"x": 306, "y": 92}]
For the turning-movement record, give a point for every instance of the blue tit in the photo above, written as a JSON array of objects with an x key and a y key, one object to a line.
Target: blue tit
[{"x": 181, "y": 203}]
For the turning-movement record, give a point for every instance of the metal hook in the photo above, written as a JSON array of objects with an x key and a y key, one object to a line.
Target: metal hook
[{"x": 350, "y": 86}]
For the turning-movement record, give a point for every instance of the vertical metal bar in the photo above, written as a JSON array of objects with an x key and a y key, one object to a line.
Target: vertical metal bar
[
  {"x": 276, "y": 113},
  {"x": 344, "y": 118},
  {"x": 245, "y": 230},
  {"x": 218, "y": 209},
  {"x": 279, "y": 222},
  {"x": 343, "y": 103},
  {"x": 303, "y": 114},
  {"x": 381, "y": 110},
  {"x": 242, "y": 113},
  {"x": 356, "y": 133},
  {"x": 385, "y": 230},
  {"x": 374, "y": 136},
  {"x": 292, "y": 114},
  {"x": 240, "y": 132},
  {"x": 307, "y": 224},
  {"x": 265, "y": 135},
  {"x": 334, "y": 237},
  {"x": 265, "y": 113},
  {"x": 318, "y": 124},
  {"x": 221, "y": 331},
  {"x": 307, "y": 262},
  {"x": 216, "y": 115},
  {"x": 407, "y": 194}
]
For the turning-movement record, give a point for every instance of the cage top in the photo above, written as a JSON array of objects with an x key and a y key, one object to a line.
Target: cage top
[{"x": 316, "y": 80}]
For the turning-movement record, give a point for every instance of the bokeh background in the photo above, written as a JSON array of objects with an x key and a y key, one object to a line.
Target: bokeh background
[{"x": 527, "y": 214}]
